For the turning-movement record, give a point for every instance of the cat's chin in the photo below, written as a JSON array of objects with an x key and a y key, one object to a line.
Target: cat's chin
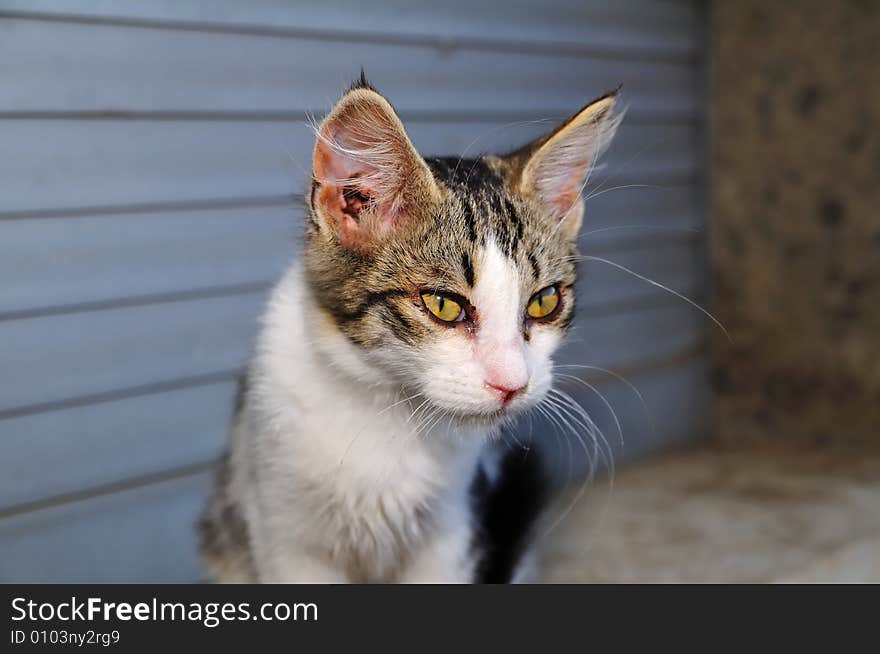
[
  {"x": 487, "y": 419},
  {"x": 481, "y": 420}
]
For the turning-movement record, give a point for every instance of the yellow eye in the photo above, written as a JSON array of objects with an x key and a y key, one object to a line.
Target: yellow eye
[
  {"x": 543, "y": 303},
  {"x": 444, "y": 308}
]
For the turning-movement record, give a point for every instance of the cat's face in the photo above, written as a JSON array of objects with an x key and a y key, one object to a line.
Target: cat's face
[{"x": 453, "y": 279}]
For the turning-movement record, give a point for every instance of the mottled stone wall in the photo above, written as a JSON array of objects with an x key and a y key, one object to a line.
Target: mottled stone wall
[{"x": 795, "y": 231}]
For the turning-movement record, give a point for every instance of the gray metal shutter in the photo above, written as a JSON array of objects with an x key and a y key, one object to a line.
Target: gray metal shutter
[{"x": 151, "y": 155}]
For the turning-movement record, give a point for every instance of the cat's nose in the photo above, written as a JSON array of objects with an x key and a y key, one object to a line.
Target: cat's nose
[{"x": 504, "y": 393}]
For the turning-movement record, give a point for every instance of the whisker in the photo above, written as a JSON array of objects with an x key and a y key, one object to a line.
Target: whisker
[
  {"x": 662, "y": 287},
  {"x": 361, "y": 431},
  {"x": 517, "y": 441},
  {"x": 581, "y": 490},
  {"x": 601, "y": 397},
  {"x": 607, "y": 502},
  {"x": 558, "y": 421},
  {"x": 619, "y": 378},
  {"x": 566, "y": 403},
  {"x": 625, "y": 164},
  {"x": 413, "y": 414},
  {"x": 406, "y": 399},
  {"x": 497, "y": 128},
  {"x": 543, "y": 411},
  {"x": 622, "y": 186},
  {"x": 669, "y": 228}
]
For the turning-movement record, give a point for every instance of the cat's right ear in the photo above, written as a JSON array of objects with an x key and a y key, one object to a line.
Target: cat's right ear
[
  {"x": 554, "y": 169},
  {"x": 368, "y": 179}
]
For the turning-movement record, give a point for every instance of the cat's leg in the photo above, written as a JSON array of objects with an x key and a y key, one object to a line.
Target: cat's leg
[
  {"x": 280, "y": 554},
  {"x": 300, "y": 568},
  {"x": 447, "y": 557},
  {"x": 280, "y": 559}
]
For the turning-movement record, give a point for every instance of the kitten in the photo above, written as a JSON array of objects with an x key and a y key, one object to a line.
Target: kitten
[{"x": 430, "y": 298}]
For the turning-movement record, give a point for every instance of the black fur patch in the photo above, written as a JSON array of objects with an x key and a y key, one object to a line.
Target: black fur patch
[
  {"x": 468, "y": 268},
  {"x": 536, "y": 267},
  {"x": 472, "y": 174},
  {"x": 371, "y": 299},
  {"x": 400, "y": 325},
  {"x": 506, "y": 512},
  {"x": 361, "y": 82},
  {"x": 470, "y": 220},
  {"x": 565, "y": 321}
]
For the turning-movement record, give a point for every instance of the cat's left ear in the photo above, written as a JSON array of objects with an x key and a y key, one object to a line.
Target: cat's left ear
[
  {"x": 368, "y": 179},
  {"x": 554, "y": 169}
]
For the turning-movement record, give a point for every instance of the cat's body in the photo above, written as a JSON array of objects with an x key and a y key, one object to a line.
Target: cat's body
[
  {"x": 351, "y": 495},
  {"x": 391, "y": 356}
]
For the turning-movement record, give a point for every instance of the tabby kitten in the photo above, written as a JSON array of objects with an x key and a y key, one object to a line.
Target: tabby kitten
[{"x": 430, "y": 298}]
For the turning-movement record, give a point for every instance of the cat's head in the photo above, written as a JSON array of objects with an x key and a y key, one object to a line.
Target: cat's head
[{"x": 453, "y": 279}]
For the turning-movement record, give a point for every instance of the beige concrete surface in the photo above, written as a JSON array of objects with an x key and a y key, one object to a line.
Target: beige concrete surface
[{"x": 755, "y": 515}]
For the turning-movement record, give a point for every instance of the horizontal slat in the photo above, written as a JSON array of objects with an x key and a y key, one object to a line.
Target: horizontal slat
[
  {"x": 53, "y": 357},
  {"x": 126, "y": 438},
  {"x": 144, "y": 435},
  {"x": 93, "y": 163},
  {"x": 146, "y": 534},
  {"x": 140, "y": 535},
  {"x": 636, "y": 26},
  {"x": 84, "y": 67},
  {"x": 70, "y": 262}
]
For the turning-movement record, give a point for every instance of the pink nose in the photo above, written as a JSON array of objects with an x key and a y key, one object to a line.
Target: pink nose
[{"x": 504, "y": 393}]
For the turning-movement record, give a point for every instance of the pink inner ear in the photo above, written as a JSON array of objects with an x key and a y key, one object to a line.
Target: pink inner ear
[
  {"x": 350, "y": 198},
  {"x": 565, "y": 197},
  {"x": 563, "y": 192}
]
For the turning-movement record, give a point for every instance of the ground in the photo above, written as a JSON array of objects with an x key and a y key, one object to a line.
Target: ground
[{"x": 724, "y": 515}]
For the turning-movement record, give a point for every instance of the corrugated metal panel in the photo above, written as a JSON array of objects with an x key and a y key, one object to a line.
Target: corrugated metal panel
[{"x": 152, "y": 155}]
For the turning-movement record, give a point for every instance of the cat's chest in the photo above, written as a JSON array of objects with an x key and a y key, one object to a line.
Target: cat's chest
[
  {"x": 385, "y": 476},
  {"x": 379, "y": 499},
  {"x": 390, "y": 469}
]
